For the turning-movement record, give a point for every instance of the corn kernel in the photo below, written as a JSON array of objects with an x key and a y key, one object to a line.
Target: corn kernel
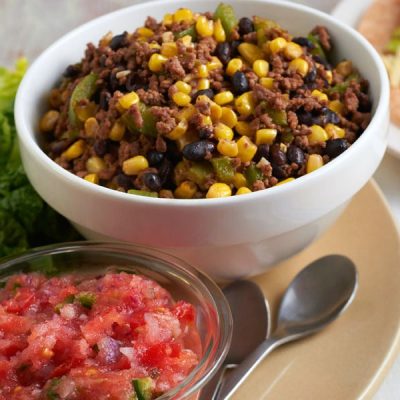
[
  {"x": 276, "y": 45},
  {"x": 183, "y": 87},
  {"x": 202, "y": 71},
  {"x": 91, "y": 372},
  {"x": 117, "y": 131},
  {"x": 85, "y": 111},
  {"x": 181, "y": 99},
  {"x": 227, "y": 148},
  {"x": 204, "y": 26},
  {"x": 47, "y": 353},
  {"x": 247, "y": 149},
  {"x": 261, "y": 68},
  {"x": 169, "y": 49},
  {"x": 344, "y": 68},
  {"x": 298, "y": 65},
  {"x": 74, "y": 151},
  {"x": 292, "y": 50},
  {"x": 239, "y": 180},
  {"x": 317, "y": 135},
  {"x": 215, "y": 112},
  {"x": 285, "y": 181},
  {"x": 223, "y": 97},
  {"x": 95, "y": 164},
  {"x": 145, "y": 32},
  {"x": 221, "y": 131},
  {"x": 128, "y": 100},
  {"x": 319, "y": 95},
  {"x": 219, "y": 31},
  {"x": 203, "y": 84},
  {"x": 206, "y": 120},
  {"x": 134, "y": 165},
  {"x": 183, "y": 15},
  {"x": 186, "y": 190},
  {"x": 228, "y": 117},
  {"x": 243, "y": 190},
  {"x": 218, "y": 190},
  {"x": 314, "y": 162},
  {"x": 250, "y": 52},
  {"x": 329, "y": 76},
  {"x": 156, "y": 62},
  {"x": 337, "y": 106},
  {"x": 214, "y": 63},
  {"x": 154, "y": 45},
  {"x": 92, "y": 178},
  {"x": 245, "y": 103},
  {"x": 334, "y": 131},
  {"x": 168, "y": 19},
  {"x": 233, "y": 66},
  {"x": 268, "y": 83},
  {"x": 187, "y": 112},
  {"x": 179, "y": 130},
  {"x": 91, "y": 127},
  {"x": 243, "y": 128},
  {"x": 265, "y": 136},
  {"x": 187, "y": 41},
  {"x": 48, "y": 121}
]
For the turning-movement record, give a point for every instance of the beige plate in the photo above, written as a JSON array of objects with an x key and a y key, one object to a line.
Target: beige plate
[{"x": 348, "y": 360}]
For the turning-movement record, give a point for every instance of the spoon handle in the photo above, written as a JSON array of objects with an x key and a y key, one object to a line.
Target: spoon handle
[
  {"x": 209, "y": 390},
  {"x": 243, "y": 370}
]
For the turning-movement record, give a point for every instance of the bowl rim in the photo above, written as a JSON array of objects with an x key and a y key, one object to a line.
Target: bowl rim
[
  {"x": 220, "y": 309},
  {"x": 27, "y": 136}
]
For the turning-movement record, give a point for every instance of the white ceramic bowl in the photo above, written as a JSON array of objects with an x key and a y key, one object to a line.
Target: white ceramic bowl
[{"x": 229, "y": 237}]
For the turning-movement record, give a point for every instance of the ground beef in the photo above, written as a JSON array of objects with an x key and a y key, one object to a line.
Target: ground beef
[
  {"x": 350, "y": 100},
  {"x": 275, "y": 100},
  {"x": 174, "y": 68},
  {"x": 323, "y": 36}
]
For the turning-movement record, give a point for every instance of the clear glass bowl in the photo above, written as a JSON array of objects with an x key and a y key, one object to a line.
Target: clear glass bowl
[{"x": 214, "y": 320}]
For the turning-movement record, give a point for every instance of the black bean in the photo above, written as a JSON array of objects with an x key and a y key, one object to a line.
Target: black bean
[
  {"x": 278, "y": 157},
  {"x": 152, "y": 181},
  {"x": 100, "y": 147},
  {"x": 311, "y": 76},
  {"x": 72, "y": 70},
  {"x": 239, "y": 82},
  {"x": 205, "y": 92},
  {"x": 234, "y": 47},
  {"x": 173, "y": 154},
  {"x": 223, "y": 52},
  {"x": 58, "y": 147},
  {"x": 279, "y": 172},
  {"x": 154, "y": 157},
  {"x": 134, "y": 83},
  {"x": 329, "y": 116},
  {"x": 303, "y": 41},
  {"x": 205, "y": 132},
  {"x": 262, "y": 151},
  {"x": 165, "y": 173},
  {"x": 124, "y": 181},
  {"x": 104, "y": 99},
  {"x": 322, "y": 61},
  {"x": 334, "y": 147},
  {"x": 197, "y": 151},
  {"x": 295, "y": 155},
  {"x": 305, "y": 117},
  {"x": 118, "y": 41},
  {"x": 245, "y": 26}
]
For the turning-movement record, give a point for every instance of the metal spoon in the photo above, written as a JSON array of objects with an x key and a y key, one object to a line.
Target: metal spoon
[
  {"x": 249, "y": 309},
  {"x": 317, "y": 296}
]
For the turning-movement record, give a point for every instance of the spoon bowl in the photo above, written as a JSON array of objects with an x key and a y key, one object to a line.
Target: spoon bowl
[{"x": 316, "y": 297}]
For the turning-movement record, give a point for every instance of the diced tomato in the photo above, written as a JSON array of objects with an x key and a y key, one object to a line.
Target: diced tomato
[{"x": 184, "y": 311}]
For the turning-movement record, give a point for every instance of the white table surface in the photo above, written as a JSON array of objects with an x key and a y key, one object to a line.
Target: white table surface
[{"x": 41, "y": 22}]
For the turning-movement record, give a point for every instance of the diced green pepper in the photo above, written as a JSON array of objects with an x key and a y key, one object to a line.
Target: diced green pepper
[
  {"x": 223, "y": 169},
  {"x": 51, "y": 394},
  {"x": 287, "y": 137},
  {"x": 191, "y": 31},
  {"x": 149, "y": 122},
  {"x": 252, "y": 174},
  {"x": 143, "y": 193},
  {"x": 143, "y": 388},
  {"x": 83, "y": 90},
  {"x": 317, "y": 50},
  {"x": 226, "y": 14},
  {"x": 86, "y": 299},
  {"x": 199, "y": 172},
  {"x": 341, "y": 87},
  {"x": 262, "y": 26}
]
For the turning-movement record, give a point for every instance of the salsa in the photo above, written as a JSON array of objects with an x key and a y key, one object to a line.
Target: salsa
[{"x": 117, "y": 336}]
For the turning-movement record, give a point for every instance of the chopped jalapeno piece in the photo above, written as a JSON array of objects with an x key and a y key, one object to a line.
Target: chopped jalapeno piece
[
  {"x": 223, "y": 169},
  {"x": 226, "y": 14},
  {"x": 143, "y": 388},
  {"x": 86, "y": 299}
]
